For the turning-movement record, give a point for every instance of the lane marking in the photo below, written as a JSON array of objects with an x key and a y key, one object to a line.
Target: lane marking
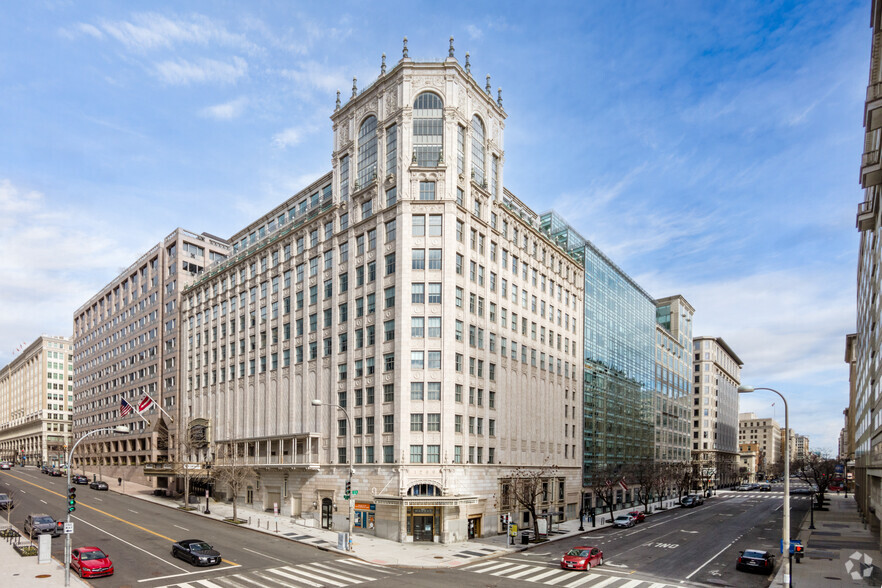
[
  {"x": 182, "y": 528},
  {"x": 134, "y": 511},
  {"x": 80, "y": 519},
  {"x": 712, "y": 559},
  {"x": 217, "y": 569},
  {"x": 284, "y": 561}
]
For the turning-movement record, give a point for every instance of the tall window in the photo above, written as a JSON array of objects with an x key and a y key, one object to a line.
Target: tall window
[
  {"x": 477, "y": 150},
  {"x": 428, "y": 129},
  {"x": 460, "y": 149},
  {"x": 494, "y": 174},
  {"x": 427, "y": 190},
  {"x": 367, "y": 151},
  {"x": 392, "y": 149},
  {"x": 344, "y": 177}
]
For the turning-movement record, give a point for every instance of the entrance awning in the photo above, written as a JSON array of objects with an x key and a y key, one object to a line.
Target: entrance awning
[{"x": 425, "y": 500}]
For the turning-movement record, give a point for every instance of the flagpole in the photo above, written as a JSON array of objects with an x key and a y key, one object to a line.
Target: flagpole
[{"x": 159, "y": 407}]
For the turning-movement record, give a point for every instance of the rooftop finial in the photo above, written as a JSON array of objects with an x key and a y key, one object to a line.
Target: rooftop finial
[
  {"x": 468, "y": 65},
  {"x": 404, "y": 51},
  {"x": 337, "y": 107},
  {"x": 450, "y": 53},
  {"x": 354, "y": 87},
  {"x": 383, "y": 66},
  {"x": 487, "y": 87},
  {"x": 499, "y": 97}
]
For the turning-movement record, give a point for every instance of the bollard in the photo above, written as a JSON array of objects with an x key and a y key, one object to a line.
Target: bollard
[
  {"x": 249, "y": 521},
  {"x": 277, "y": 526}
]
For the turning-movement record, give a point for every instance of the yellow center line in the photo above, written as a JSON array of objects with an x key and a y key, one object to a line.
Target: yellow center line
[{"x": 107, "y": 514}]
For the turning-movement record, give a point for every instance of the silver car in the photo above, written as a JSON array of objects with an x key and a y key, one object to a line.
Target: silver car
[
  {"x": 40, "y": 524},
  {"x": 624, "y": 521}
]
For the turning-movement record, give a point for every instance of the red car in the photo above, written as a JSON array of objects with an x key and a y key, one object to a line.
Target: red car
[
  {"x": 638, "y": 516},
  {"x": 90, "y": 562},
  {"x": 582, "y": 558}
]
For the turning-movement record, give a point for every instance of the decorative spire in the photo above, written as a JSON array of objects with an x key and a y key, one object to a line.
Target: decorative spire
[
  {"x": 487, "y": 87},
  {"x": 499, "y": 97},
  {"x": 383, "y": 66},
  {"x": 468, "y": 65},
  {"x": 404, "y": 51},
  {"x": 337, "y": 107},
  {"x": 450, "y": 52},
  {"x": 354, "y": 87}
]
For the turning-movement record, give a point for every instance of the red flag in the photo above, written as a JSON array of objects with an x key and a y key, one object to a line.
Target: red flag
[
  {"x": 145, "y": 403},
  {"x": 623, "y": 485}
]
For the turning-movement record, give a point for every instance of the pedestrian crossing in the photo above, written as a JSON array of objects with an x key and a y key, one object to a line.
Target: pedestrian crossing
[
  {"x": 776, "y": 495},
  {"x": 328, "y": 574},
  {"x": 558, "y": 577}
]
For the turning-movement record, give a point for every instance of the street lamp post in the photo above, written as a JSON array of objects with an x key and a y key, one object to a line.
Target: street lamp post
[
  {"x": 116, "y": 429},
  {"x": 349, "y": 441},
  {"x": 786, "y": 526}
]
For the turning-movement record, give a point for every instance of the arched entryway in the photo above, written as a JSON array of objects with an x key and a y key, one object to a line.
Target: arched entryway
[
  {"x": 424, "y": 522},
  {"x": 327, "y": 513}
]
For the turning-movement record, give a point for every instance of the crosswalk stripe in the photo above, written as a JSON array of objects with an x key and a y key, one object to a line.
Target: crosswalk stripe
[
  {"x": 209, "y": 584},
  {"x": 656, "y": 585},
  {"x": 289, "y": 576},
  {"x": 331, "y": 572},
  {"x": 562, "y": 577},
  {"x": 345, "y": 573},
  {"x": 301, "y": 571},
  {"x": 359, "y": 562},
  {"x": 229, "y": 581},
  {"x": 586, "y": 578},
  {"x": 631, "y": 584},
  {"x": 492, "y": 567},
  {"x": 513, "y": 568},
  {"x": 474, "y": 568},
  {"x": 606, "y": 582},
  {"x": 247, "y": 579},
  {"x": 543, "y": 575},
  {"x": 529, "y": 570}
]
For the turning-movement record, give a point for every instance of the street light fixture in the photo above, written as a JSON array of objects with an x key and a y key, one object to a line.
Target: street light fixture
[
  {"x": 116, "y": 429},
  {"x": 786, "y": 526},
  {"x": 350, "y": 441}
]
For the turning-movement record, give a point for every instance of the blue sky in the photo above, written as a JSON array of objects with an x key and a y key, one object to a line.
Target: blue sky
[{"x": 710, "y": 149}]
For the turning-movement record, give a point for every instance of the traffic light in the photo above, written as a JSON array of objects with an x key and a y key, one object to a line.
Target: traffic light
[
  {"x": 71, "y": 499},
  {"x": 348, "y": 492}
]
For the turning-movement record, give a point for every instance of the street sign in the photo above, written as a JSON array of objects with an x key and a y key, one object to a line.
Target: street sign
[
  {"x": 68, "y": 528},
  {"x": 355, "y": 492}
]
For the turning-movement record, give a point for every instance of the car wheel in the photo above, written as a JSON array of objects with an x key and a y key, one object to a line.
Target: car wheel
[
  {"x": 174, "y": 553},
  {"x": 600, "y": 562},
  {"x": 587, "y": 566}
]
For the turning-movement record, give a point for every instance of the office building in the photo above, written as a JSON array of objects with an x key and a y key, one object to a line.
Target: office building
[
  {"x": 416, "y": 300},
  {"x": 673, "y": 380},
  {"x": 36, "y": 402},
  {"x": 749, "y": 463},
  {"x": 717, "y": 375},
  {"x": 765, "y": 433},
  {"x": 126, "y": 346}
]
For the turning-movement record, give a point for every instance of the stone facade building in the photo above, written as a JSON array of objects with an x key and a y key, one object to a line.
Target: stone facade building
[
  {"x": 402, "y": 321},
  {"x": 36, "y": 403}
]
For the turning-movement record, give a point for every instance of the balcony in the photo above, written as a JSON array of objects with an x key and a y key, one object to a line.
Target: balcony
[
  {"x": 873, "y": 107},
  {"x": 866, "y": 216},
  {"x": 871, "y": 171}
]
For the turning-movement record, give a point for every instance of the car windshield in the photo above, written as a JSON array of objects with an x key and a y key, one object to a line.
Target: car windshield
[
  {"x": 4, "y": 497},
  {"x": 44, "y": 520},
  {"x": 200, "y": 546},
  {"x": 754, "y": 554},
  {"x": 622, "y": 518},
  {"x": 87, "y": 555},
  {"x": 578, "y": 552}
]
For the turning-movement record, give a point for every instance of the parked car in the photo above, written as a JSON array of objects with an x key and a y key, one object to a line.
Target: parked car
[
  {"x": 582, "y": 558},
  {"x": 197, "y": 552},
  {"x": 623, "y": 521},
  {"x": 39, "y": 524},
  {"x": 5, "y": 465},
  {"x": 6, "y": 503},
  {"x": 45, "y": 469},
  {"x": 692, "y": 500},
  {"x": 98, "y": 485},
  {"x": 755, "y": 560},
  {"x": 80, "y": 479},
  {"x": 742, "y": 488},
  {"x": 637, "y": 515},
  {"x": 90, "y": 562},
  {"x": 800, "y": 490},
  {"x": 57, "y": 473}
]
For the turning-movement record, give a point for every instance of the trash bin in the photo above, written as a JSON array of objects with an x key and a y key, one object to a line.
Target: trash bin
[{"x": 525, "y": 538}]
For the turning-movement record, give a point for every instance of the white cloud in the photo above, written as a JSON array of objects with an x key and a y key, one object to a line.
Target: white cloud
[
  {"x": 474, "y": 32},
  {"x": 149, "y": 31},
  {"x": 227, "y": 110},
  {"x": 182, "y": 72},
  {"x": 317, "y": 76},
  {"x": 288, "y": 137}
]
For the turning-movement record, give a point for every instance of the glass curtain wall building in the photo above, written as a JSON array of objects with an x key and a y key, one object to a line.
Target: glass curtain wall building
[{"x": 618, "y": 386}]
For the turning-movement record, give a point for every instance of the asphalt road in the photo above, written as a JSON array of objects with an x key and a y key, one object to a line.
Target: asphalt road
[{"x": 680, "y": 547}]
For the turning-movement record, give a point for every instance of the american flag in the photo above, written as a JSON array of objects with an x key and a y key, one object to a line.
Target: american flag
[{"x": 125, "y": 408}]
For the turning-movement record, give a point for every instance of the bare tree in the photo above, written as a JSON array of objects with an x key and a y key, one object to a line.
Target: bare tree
[
  {"x": 646, "y": 476},
  {"x": 682, "y": 476},
  {"x": 231, "y": 471},
  {"x": 603, "y": 482},
  {"x": 816, "y": 469},
  {"x": 527, "y": 485}
]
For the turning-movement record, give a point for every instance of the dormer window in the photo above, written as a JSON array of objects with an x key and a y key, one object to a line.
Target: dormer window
[{"x": 428, "y": 130}]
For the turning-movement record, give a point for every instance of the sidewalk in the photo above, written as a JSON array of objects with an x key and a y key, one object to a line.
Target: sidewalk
[
  {"x": 838, "y": 551},
  {"x": 25, "y": 571},
  {"x": 366, "y": 547}
]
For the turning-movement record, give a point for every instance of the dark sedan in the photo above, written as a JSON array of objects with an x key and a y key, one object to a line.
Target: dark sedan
[
  {"x": 754, "y": 560},
  {"x": 80, "y": 479},
  {"x": 99, "y": 485},
  {"x": 6, "y": 502},
  {"x": 197, "y": 552}
]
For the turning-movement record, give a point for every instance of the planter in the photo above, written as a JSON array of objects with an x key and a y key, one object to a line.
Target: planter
[
  {"x": 235, "y": 521},
  {"x": 9, "y": 533},
  {"x": 25, "y": 550}
]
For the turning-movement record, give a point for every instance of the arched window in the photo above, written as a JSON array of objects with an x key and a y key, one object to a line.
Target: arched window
[
  {"x": 367, "y": 151},
  {"x": 424, "y": 490},
  {"x": 478, "y": 150},
  {"x": 428, "y": 129}
]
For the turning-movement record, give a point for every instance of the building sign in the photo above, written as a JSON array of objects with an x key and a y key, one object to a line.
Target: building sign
[{"x": 364, "y": 506}]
